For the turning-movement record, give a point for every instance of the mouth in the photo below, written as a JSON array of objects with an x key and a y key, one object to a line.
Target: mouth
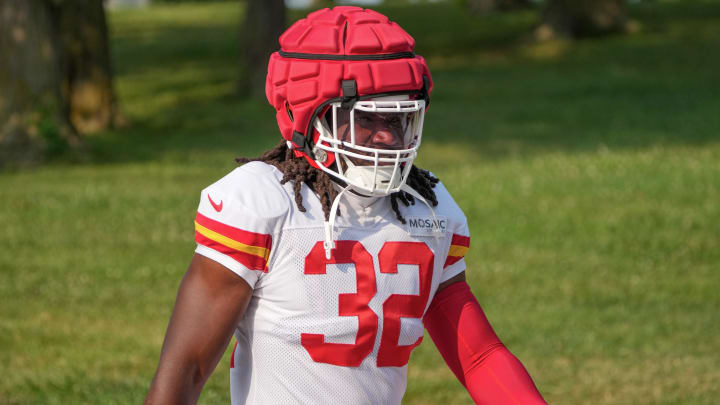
[{"x": 365, "y": 163}]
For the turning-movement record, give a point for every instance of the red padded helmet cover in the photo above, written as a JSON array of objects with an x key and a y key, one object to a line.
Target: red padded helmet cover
[{"x": 336, "y": 38}]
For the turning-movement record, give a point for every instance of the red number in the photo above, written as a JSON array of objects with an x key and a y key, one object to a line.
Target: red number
[
  {"x": 403, "y": 305},
  {"x": 356, "y": 304},
  {"x": 396, "y": 306}
]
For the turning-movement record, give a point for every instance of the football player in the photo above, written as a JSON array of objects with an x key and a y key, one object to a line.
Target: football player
[{"x": 329, "y": 255}]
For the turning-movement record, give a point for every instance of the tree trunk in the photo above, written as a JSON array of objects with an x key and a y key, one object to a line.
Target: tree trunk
[
  {"x": 264, "y": 22},
  {"x": 33, "y": 106},
  {"x": 88, "y": 72},
  {"x": 583, "y": 18}
]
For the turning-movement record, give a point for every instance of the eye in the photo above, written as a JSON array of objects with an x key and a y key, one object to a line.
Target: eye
[{"x": 394, "y": 120}]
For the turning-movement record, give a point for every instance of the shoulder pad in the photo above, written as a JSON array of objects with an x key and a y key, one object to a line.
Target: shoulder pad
[
  {"x": 249, "y": 197},
  {"x": 448, "y": 207}
]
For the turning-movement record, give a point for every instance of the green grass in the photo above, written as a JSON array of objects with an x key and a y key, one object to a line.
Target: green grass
[{"x": 589, "y": 171}]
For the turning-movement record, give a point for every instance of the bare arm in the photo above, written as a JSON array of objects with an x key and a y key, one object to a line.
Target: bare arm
[{"x": 210, "y": 302}]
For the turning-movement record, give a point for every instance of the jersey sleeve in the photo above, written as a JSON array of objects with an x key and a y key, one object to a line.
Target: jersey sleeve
[
  {"x": 459, "y": 246},
  {"x": 237, "y": 220},
  {"x": 458, "y": 233}
]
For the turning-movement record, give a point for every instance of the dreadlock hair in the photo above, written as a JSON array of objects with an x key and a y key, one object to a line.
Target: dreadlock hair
[{"x": 299, "y": 171}]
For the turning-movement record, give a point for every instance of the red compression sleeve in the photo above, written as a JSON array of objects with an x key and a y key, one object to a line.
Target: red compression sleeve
[{"x": 472, "y": 350}]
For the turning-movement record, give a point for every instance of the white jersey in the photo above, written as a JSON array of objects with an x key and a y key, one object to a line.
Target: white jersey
[{"x": 319, "y": 330}]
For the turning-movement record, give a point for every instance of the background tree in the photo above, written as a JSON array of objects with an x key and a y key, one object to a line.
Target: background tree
[
  {"x": 34, "y": 106},
  {"x": 582, "y": 18},
  {"x": 55, "y": 76},
  {"x": 264, "y": 22},
  {"x": 87, "y": 71}
]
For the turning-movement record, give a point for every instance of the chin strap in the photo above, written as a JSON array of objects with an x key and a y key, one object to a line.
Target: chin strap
[{"x": 329, "y": 243}]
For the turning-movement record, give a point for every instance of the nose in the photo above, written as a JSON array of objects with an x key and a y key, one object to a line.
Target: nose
[{"x": 385, "y": 138}]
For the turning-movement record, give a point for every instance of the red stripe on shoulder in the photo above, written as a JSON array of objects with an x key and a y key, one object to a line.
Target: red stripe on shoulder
[
  {"x": 237, "y": 234},
  {"x": 252, "y": 262},
  {"x": 460, "y": 240}
]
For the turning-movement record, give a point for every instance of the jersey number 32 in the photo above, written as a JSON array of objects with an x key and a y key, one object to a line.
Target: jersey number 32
[{"x": 396, "y": 306}]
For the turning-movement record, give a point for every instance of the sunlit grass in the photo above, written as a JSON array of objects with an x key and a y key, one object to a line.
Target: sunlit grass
[{"x": 590, "y": 174}]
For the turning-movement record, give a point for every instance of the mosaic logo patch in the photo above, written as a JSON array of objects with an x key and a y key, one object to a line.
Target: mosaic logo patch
[{"x": 425, "y": 226}]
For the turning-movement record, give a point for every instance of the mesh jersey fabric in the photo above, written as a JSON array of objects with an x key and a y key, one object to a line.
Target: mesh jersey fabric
[{"x": 317, "y": 330}]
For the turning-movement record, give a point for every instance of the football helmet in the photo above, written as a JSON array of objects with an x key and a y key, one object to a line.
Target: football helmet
[{"x": 342, "y": 66}]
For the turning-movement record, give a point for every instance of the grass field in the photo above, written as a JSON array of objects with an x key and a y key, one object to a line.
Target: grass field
[{"x": 589, "y": 171}]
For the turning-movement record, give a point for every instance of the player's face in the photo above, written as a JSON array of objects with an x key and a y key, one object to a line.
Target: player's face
[{"x": 374, "y": 130}]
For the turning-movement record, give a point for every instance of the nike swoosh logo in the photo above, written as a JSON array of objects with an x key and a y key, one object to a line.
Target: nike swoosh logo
[{"x": 218, "y": 207}]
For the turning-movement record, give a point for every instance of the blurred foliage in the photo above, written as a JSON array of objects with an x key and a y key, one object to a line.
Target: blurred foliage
[
  {"x": 583, "y": 18},
  {"x": 485, "y": 6},
  {"x": 191, "y": 1}
]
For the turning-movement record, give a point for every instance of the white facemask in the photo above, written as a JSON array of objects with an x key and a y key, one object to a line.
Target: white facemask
[{"x": 387, "y": 169}]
